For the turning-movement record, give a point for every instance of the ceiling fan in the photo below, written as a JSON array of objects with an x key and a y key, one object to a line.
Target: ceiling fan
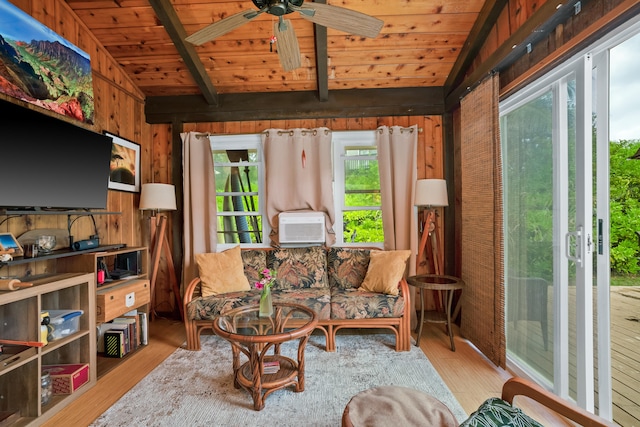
[{"x": 335, "y": 17}]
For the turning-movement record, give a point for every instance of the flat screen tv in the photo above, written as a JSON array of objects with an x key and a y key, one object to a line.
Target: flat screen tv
[{"x": 47, "y": 163}]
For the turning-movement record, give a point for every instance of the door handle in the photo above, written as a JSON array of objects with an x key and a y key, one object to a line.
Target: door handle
[{"x": 577, "y": 238}]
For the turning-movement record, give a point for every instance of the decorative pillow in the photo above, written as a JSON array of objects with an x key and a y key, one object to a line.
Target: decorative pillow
[
  {"x": 299, "y": 268},
  {"x": 347, "y": 267},
  {"x": 222, "y": 272},
  {"x": 386, "y": 268},
  {"x": 497, "y": 412},
  {"x": 254, "y": 261}
]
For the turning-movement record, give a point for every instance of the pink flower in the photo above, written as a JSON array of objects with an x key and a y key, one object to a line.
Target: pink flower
[{"x": 268, "y": 278}]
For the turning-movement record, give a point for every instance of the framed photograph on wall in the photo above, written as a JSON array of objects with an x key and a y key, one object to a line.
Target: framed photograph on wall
[
  {"x": 124, "y": 169},
  {"x": 9, "y": 244}
]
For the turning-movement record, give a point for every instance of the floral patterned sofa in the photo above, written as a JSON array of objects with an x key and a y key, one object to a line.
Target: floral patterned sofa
[{"x": 324, "y": 279}]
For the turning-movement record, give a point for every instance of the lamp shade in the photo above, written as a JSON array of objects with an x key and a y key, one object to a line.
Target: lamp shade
[
  {"x": 431, "y": 192},
  {"x": 158, "y": 197}
]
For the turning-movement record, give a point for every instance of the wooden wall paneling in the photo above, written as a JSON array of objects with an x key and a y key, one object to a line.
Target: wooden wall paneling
[
  {"x": 278, "y": 124},
  {"x": 402, "y": 121},
  {"x": 261, "y": 125},
  {"x": 66, "y": 26},
  {"x": 385, "y": 121},
  {"x": 356, "y": 123},
  {"x": 24, "y": 5},
  {"x": 369, "y": 123},
  {"x": 234, "y": 127},
  {"x": 43, "y": 11},
  {"x": 338, "y": 124}
]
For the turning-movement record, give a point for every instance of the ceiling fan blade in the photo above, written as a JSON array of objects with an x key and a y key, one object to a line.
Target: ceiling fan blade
[
  {"x": 287, "y": 44},
  {"x": 222, "y": 27},
  {"x": 340, "y": 18}
]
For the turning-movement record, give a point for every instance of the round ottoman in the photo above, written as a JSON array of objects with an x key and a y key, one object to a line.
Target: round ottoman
[{"x": 396, "y": 406}]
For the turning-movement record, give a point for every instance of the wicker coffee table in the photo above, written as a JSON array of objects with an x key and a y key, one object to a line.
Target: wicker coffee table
[{"x": 259, "y": 339}]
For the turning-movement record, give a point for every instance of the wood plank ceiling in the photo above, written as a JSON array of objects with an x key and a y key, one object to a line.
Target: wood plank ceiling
[{"x": 417, "y": 48}]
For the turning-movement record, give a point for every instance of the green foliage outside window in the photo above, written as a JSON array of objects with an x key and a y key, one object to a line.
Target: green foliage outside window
[
  {"x": 624, "y": 206},
  {"x": 362, "y": 189}
]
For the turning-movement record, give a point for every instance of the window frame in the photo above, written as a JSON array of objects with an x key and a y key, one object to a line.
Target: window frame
[
  {"x": 340, "y": 142},
  {"x": 244, "y": 142}
]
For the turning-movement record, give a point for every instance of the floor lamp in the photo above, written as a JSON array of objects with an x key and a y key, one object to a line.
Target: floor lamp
[
  {"x": 159, "y": 198},
  {"x": 429, "y": 194}
]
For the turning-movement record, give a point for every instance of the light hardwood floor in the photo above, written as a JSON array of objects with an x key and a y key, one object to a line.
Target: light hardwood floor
[{"x": 469, "y": 375}]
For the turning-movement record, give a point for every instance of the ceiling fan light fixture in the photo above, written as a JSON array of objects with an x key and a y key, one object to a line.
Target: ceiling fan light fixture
[{"x": 339, "y": 18}]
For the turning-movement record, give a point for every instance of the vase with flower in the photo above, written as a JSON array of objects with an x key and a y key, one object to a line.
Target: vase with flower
[{"x": 265, "y": 283}]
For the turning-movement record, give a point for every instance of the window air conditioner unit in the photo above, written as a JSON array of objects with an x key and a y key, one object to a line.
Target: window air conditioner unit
[{"x": 301, "y": 228}]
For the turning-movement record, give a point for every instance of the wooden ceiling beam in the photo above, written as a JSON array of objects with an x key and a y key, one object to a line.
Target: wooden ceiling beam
[
  {"x": 413, "y": 101},
  {"x": 322, "y": 59},
  {"x": 169, "y": 18},
  {"x": 322, "y": 62}
]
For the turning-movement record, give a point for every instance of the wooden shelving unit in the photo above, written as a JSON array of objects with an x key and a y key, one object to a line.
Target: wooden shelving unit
[
  {"x": 20, "y": 373},
  {"x": 114, "y": 298}
]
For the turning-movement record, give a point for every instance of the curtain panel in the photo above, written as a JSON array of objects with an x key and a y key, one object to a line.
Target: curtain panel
[
  {"x": 298, "y": 175},
  {"x": 482, "y": 263},
  {"x": 397, "y": 153},
  {"x": 200, "y": 211}
]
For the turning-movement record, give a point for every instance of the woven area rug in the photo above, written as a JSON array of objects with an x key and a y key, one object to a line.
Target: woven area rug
[{"x": 196, "y": 388}]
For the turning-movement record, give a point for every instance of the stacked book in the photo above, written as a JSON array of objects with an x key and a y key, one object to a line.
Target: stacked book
[
  {"x": 270, "y": 367},
  {"x": 123, "y": 334}
]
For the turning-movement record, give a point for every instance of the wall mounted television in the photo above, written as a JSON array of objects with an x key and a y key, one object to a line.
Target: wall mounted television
[{"x": 50, "y": 164}]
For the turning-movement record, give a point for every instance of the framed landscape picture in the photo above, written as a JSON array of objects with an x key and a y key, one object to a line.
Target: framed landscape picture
[
  {"x": 124, "y": 170},
  {"x": 42, "y": 68}
]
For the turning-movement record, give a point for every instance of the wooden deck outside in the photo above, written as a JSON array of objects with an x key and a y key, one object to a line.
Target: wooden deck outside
[
  {"x": 625, "y": 351},
  {"x": 625, "y": 354}
]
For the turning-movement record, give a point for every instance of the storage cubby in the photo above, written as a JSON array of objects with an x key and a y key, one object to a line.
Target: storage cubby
[
  {"x": 115, "y": 297},
  {"x": 21, "y": 366}
]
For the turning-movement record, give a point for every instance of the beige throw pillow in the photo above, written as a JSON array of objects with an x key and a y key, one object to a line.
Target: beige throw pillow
[
  {"x": 222, "y": 272},
  {"x": 386, "y": 268}
]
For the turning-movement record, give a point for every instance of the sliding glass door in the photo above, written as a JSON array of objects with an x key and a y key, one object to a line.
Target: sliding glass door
[
  {"x": 565, "y": 202},
  {"x": 549, "y": 181}
]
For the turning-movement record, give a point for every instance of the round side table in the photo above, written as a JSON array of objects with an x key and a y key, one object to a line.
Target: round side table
[{"x": 436, "y": 282}]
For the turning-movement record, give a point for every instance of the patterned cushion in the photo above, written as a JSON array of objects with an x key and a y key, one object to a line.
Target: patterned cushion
[
  {"x": 298, "y": 268},
  {"x": 209, "y": 308},
  {"x": 496, "y": 412},
  {"x": 354, "y": 304},
  {"x": 254, "y": 262},
  {"x": 347, "y": 267},
  {"x": 317, "y": 299}
]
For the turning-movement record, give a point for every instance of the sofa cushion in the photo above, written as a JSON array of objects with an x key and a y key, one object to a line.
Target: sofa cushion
[
  {"x": 347, "y": 267},
  {"x": 222, "y": 272},
  {"x": 209, "y": 308},
  {"x": 385, "y": 270},
  {"x": 298, "y": 268},
  {"x": 497, "y": 412},
  {"x": 254, "y": 262},
  {"x": 355, "y": 304},
  {"x": 317, "y": 299}
]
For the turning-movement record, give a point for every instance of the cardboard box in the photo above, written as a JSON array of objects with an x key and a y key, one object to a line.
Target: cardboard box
[{"x": 67, "y": 378}]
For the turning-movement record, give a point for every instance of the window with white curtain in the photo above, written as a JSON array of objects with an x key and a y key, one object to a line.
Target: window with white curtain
[{"x": 239, "y": 173}]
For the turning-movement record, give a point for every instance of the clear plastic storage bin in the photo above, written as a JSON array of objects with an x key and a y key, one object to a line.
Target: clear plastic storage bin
[{"x": 63, "y": 323}]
